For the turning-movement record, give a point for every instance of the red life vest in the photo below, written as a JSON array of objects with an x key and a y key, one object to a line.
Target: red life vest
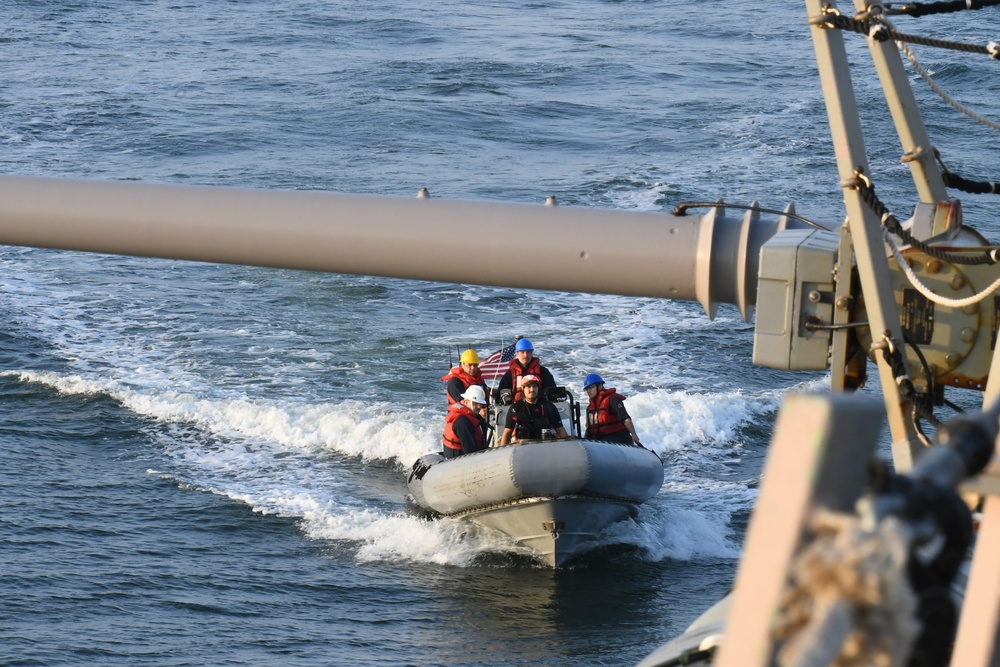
[
  {"x": 534, "y": 368},
  {"x": 451, "y": 440},
  {"x": 467, "y": 380},
  {"x": 601, "y": 419}
]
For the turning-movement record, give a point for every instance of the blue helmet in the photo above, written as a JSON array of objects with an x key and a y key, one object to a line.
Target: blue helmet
[
  {"x": 522, "y": 345},
  {"x": 592, "y": 379}
]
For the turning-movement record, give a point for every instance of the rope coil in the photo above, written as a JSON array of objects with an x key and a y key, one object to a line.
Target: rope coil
[{"x": 849, "y": 601}]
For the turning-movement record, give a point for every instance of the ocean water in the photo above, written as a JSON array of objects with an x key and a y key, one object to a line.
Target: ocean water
[{"x": 204, "y": 464}]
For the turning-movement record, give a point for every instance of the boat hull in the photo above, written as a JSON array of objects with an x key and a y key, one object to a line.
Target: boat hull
[
  {"x": 554, "y": 496},
  {"x": 556, "y": 529}
]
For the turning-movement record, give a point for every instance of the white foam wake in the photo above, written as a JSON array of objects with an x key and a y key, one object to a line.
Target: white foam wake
[{"x": 275, "y": 457}]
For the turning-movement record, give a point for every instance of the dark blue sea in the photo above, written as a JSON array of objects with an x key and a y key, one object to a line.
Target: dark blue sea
[{"x": 204, "y": 465}]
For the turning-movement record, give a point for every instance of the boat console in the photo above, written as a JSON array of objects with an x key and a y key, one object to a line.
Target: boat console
[{"x": 561, "y": 397}]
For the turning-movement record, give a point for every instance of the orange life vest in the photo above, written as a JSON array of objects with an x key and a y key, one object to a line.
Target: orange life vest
[
  {"x": 601, "y": 419},
  {"x": 467, "y": 380},
  {"x": 455, "y": 412},
  {"x": 534, "y": 368}
]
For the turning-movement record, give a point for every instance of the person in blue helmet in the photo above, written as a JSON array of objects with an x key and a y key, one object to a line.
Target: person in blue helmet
[
  {"x": 607, "y": 418},
  {"x": 524, "y": 363}
]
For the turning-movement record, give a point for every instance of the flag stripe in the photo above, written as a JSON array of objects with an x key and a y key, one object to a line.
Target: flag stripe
[{"x": 496, "y": 364}]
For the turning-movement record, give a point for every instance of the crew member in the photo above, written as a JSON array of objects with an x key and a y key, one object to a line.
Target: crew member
[
  {"x": 463, "y": 376},
  {"x": 607, "y": 418},
  {"x": 465, "y": 424},
  {"x": 530, "y": 417},
  {"x": 523, "y": 364}
]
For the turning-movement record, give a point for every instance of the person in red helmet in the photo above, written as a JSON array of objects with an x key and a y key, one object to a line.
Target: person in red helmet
[
  {"x": 531, "y": 417},
  {"x": 607, "y": 418},
  {"x": 463, "y": 376},
  {"x": 524, "y": 363},
  {"x": 464, "y": 425}
]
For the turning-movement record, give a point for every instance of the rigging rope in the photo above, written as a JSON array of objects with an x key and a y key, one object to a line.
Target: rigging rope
[
  {"x": 924, "y": 289},
  {"x": 889, "y": 221},
  {"x": 892, "y": 356},
  {"x": 925, "y": 75},
  {"x": 974, "y": 187},
  {"x": 918, "y": 9},
  {"x": 923, "y": 404},
  {"x": 877, "y": 30}
]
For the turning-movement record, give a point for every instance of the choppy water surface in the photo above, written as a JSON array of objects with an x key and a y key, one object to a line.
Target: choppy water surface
[{"x": 204, "y": 464}]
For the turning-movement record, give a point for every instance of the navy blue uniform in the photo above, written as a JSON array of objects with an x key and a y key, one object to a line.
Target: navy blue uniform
[{"x": 528, "y": 420}]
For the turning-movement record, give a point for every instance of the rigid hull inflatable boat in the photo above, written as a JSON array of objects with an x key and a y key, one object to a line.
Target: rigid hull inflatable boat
[{"x": 553, "y": 495}]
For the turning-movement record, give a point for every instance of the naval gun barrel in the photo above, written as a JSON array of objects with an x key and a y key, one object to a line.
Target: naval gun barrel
[{"x": 711, "y": 259}]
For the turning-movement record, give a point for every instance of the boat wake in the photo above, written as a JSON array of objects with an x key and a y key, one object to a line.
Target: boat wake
[{"x": 334, "y": 468}]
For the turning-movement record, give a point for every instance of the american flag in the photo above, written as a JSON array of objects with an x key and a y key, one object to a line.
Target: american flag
[{"x": 496, "y": 364}]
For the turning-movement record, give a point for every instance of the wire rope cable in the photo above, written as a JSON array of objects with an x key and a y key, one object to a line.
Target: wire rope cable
[
  {"x": 925, "y": 75},
  {"x": 928, "y": 292}
]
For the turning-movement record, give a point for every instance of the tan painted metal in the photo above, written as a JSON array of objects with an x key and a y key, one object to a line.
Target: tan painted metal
[
  {"x": 917, "y": 149},
  {"x": 817, "y": 458},
  {"x": 979, "y": 624},
  {"x": 712, "y": 259},
  {"x": 840, "y": 373},
  {"x": 865, "y": 227},
  {"x": 956, "y": 342},
  {"x": 977, "y": 643}
]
